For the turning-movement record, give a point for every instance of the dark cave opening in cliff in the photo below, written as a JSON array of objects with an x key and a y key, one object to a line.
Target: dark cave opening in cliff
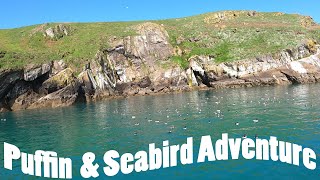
[{"x": 204, "y": 79}]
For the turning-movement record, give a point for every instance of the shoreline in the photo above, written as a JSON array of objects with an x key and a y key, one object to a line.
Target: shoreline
[
  {"x": 122, "y": 97},
  {"x": 54, "y": 85}
]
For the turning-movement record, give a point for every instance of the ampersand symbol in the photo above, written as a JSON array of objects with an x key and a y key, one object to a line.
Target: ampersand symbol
[{"x": 88, "y": 169}]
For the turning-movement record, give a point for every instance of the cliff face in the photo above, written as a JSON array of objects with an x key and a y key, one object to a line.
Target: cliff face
[{"x": 140, "y": 64}]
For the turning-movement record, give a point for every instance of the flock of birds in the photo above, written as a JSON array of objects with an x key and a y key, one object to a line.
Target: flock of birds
[
  {"x": 206, "y": 108},
  {"x": 209, "y": 108}
]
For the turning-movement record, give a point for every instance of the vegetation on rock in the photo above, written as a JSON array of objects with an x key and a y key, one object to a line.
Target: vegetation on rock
[{"x": 225, "y": 36}]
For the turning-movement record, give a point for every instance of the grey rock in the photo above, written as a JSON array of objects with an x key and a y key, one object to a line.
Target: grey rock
[
  {"x": 252, "y": 13},
  {"x": 34, "y": 72},
  {"x": 264, "y": 63},
  {"x": 61, "y": 98},
  {"x": 50, "y": 32},
  {"x": 8, "y": 79},
  {"x": 57, "y": 32},
  {"x": 144, "y": 50},
  {"x": 19, "y": 88},
  {"x": 58, "y": 66},
  {"x": 58, "y": 81}
]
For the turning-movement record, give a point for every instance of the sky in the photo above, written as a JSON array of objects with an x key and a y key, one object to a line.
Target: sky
[{"x": 17, "y": 13}]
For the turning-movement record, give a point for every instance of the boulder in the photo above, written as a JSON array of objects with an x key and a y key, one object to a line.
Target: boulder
[{"x": 135, "y": 87}]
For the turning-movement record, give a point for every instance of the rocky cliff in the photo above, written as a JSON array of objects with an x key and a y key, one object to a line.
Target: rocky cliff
[{"x": 139, "y": 64}]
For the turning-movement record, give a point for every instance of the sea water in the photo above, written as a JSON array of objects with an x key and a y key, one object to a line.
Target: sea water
[{"x": 291, "y": 113}]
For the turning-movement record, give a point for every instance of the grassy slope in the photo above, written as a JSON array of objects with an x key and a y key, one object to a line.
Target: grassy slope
[{"x": 232, "y": 39}]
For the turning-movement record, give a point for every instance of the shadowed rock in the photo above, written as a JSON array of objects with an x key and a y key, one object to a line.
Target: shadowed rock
[
  {"x": 58, "y": 81},
  {"x": 61, "y": 98},
  {"x": 8, "y": 79}
]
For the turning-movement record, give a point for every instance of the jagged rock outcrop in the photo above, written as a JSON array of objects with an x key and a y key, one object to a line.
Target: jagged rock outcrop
[
  {"x": 33, "y": 72},
  {"x": 199, "y": 67},
  {"x": 86, "y": 85},
  {"x": 12, "y": 87},
  {"x": 57, "y": 66},
  {"x": 130, "y": 89},
  {"x": 289, "y": 66},
  {"x": 174, "y": 76},
  {"x": 264, "y": 63},
  {"x": 19, "y": 88},
  {"x": 23, "y": 101},
  {"x": 136, "y": 56},
  {"x": 54, "y": 85},
  {"x": 58, "y": 81},
  {"x": 8, "y": 79},
  {"x": 130, "y": 59},
  {"x": 57, "y": 32},
  {"x": 99, "y": 78},
  {"x": 31, "y": 87},
  {"x": 61, "y": 98}
]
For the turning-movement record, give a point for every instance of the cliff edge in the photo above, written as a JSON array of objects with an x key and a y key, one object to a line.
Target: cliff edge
[{"x": 56, "y": 65}]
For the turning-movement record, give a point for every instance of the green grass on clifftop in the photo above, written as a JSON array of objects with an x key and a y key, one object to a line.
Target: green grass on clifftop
[{"x": 237, "y": 36}]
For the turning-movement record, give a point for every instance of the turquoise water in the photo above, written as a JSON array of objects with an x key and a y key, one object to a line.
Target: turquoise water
[{"x": 290, "y": 113}]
